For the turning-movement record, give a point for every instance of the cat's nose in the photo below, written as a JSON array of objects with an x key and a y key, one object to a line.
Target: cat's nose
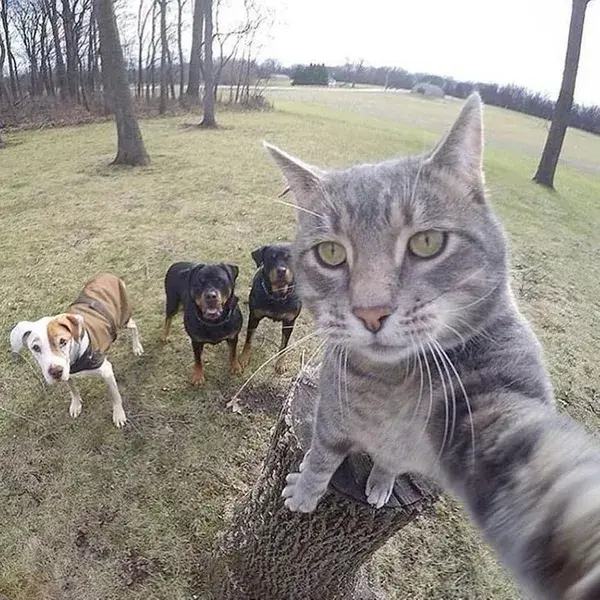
[{"x": 373, "y": 317}]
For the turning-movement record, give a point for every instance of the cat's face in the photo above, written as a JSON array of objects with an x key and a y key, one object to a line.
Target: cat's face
[{"x": 395, "y": 257}]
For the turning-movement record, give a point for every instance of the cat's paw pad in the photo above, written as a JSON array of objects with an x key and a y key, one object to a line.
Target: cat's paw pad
[
  {"x": 379, "y": 489},
  {"x": 297, "y": 497}
]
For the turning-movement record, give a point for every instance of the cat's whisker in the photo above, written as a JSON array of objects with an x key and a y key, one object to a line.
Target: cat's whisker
[
  {"x": 301, "y": 208},
  {"x": 338, "y": 348},
  {"x": 275, "y": 357},
  {"x": 477, "y": 332},
  {"x": 430, "y": 408},
  {"x": 466, "y": 397},
  {"x": 417, "y": 357},
  {"x": 446, "y": 409},
  {"x": 436, "y": 346},
  {"x": 460, "y": 337},
  {"x": 459, "y": 309},
  {"x": 346, "y": 378}
]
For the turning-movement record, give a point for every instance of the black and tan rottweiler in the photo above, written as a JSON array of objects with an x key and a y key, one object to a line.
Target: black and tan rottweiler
[
  {"x": 273, "y": 295},
  {"x": 211, "y": 311}
]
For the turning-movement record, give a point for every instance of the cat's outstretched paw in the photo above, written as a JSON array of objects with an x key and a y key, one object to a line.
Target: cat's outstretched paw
[
  {"x": 379, "y": 487},
  {"x": 297, "y": 497}
]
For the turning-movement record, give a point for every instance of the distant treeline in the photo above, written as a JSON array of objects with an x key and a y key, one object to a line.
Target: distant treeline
[{"x": 512, "y": 97}]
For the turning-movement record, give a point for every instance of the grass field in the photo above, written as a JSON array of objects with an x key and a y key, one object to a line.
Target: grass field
[{"x": 89, "y": 512}]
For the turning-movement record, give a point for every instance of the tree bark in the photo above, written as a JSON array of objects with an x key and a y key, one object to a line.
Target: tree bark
[
  {"x": 68, "y": 19},
  {"x": 162, "y": 106},
  {"x": 270, "y": 553},
  {"x": 560, "y": 119},
  {"x": 12, "y": 63},
  {"x": 193, "y": 88},
  {"x": 60, "y": 63},
  {"x": 180, "y": 5},
  {"x": 208, "y": 118},
  {"x": 131, "y": 149}
]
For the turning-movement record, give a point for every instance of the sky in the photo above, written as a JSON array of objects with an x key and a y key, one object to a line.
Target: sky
[{"x": 504, "y": 41}]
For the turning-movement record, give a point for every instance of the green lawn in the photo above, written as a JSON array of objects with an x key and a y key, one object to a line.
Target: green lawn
[{"x": 89, "y": 512}]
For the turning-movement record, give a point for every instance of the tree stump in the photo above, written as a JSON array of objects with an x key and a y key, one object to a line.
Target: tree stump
[{"x": 270, "y": 553}]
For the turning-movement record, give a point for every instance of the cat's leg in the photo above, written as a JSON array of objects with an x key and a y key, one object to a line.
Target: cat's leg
[
  {"x": 303, "y": 490},
  {"x": 379, "y": 486}
]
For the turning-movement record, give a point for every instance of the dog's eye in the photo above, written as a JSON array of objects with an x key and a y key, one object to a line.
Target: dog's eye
[
  {"x": 36, "y": 348},
  {"x": 62, "y": 342},
  {"x": 331, "y": 254}
]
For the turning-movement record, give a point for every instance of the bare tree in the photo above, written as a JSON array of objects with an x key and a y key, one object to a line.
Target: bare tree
[
  {"x": 195, "y": 67},
  {"x": 164, "y": 49},
  {"x": 180, "y": 8},
  {"x": 12, "y": 63},
  {"x": 131, "y": 149},
  {"x": 208, "y": 118},
  {"x": 560, "y": 118}
]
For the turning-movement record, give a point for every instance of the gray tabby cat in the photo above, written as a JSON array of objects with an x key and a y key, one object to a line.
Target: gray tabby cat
[{"x": 429, "y": 367}]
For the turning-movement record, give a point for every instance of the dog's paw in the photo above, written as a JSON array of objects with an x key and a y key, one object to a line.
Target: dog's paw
[
  {"x": 119, "y": 418},
  {"x": 138, "y": 350},
  {"x": 75, "y": 407},
  {"x": 281, "y": 366},
  {"x": 379, "y": 487},
  {"x": 297, "y": 497},
  {"x": 236, "y": 368},
  {"x": 244, "y": 359},
  {"x": 198, "y": 378}
]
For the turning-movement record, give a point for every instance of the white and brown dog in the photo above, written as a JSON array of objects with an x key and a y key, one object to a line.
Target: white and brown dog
[{"x": 74, "y": 343}]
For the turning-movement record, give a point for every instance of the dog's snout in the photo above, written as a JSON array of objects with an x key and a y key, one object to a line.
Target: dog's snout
[
  {"x": 212, "y": 295},
  {"x": 56, "y": 371}
]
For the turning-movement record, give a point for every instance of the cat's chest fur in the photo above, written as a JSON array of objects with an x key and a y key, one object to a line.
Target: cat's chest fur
[{"x": 383, "y": 415}]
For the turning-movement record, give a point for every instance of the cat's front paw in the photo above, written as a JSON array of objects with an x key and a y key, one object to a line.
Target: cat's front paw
[
  {"x": 297, "y": 497},
  {"x": 379, "y": 487}
]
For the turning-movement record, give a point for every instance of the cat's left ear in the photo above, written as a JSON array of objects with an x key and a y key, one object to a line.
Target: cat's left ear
[
  {"x": 461, "y": 150},
  {"x": 304, "y": 180}
]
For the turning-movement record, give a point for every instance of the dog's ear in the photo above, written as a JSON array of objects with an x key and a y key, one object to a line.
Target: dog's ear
[
  {"x": 258, "y": 254},
  {"x": 19, "y": 335},
  {"x": 233, "y": 271},
  {"x": 73, "y": 323}
]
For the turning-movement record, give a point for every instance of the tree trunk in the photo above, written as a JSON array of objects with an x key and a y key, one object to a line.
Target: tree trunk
[
  {"x": 60, "y": 63},
  {"x": 560, "y": 118},
  {"x": 208, "y": 118},
  {"x": 12, "y": 63},
  {"x": 193, "y": 88},
  {"x": 162, "y": 107},
  {"x": 4, "y": 97},
  {"x": 180, "y": 4},
  {"x": 70, "y": 49},
  {"x": 131, "y": 150},
  {"x": 270, "y": 553}
]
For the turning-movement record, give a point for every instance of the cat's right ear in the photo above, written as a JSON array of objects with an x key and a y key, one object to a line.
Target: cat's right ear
[{"x": 304, "y": 180}]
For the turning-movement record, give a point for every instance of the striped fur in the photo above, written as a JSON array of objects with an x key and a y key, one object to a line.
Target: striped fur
[{"x": 453, "y": 384}]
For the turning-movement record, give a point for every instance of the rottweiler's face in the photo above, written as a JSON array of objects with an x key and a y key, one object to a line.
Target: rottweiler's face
[
  {"x": 276, "y": 260},
  {"x": 211, "y": 286}
]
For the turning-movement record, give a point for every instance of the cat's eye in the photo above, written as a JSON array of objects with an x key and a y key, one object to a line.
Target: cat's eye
[
  {"x": 331, "y": 254},
  {"x": 427, "y": 244}
]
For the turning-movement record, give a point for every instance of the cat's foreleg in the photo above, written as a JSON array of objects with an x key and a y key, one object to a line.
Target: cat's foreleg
[
  {"x": 379, "y": 486},
  {"x": 303, "y": 490}
]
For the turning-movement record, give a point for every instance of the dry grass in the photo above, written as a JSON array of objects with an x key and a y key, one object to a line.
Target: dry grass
[{"x": 90, "y": 512}]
